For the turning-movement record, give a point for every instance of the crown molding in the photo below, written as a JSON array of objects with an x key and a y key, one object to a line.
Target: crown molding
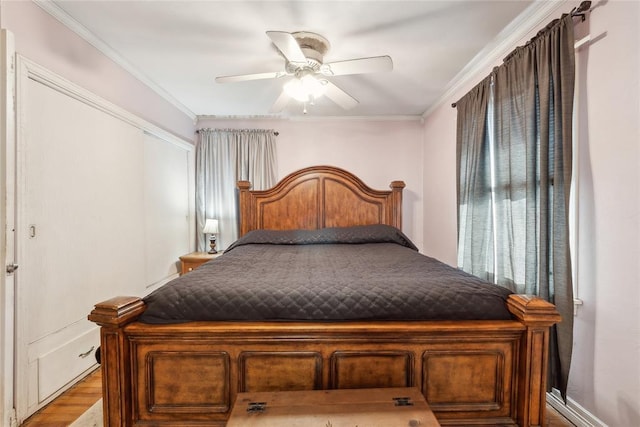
[
  {"x": 311, "y": 118},
  {"x": 533, "y": 17},
  {"x": 55, "y": 11},
  {"x": 27, "y": 69}
]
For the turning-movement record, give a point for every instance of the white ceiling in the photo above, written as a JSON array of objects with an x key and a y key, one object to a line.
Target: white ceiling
[{"x": 179, "y": 47}]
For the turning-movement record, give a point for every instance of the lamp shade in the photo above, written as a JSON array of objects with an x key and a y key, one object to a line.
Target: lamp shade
[{"x": 210, "y": 226}]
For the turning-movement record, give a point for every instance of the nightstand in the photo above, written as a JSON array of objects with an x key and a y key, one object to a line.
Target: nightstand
[{"x": 191, "y": 261}]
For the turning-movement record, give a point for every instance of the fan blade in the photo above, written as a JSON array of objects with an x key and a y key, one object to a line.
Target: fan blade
[
  {"x": 280, "y": 103},
  {"x": 340, "y": 97},
  {"x": 374, "y": 64},
  {"x": 245, "y": 77},
  {"x": 288, "y": 45}
]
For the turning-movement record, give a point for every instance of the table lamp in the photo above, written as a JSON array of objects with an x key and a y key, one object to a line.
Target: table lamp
[{"x": 211, "y": 227}]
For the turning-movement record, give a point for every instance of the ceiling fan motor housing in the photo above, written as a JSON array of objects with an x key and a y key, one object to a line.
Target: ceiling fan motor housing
[{"x": 314, "y": 47}]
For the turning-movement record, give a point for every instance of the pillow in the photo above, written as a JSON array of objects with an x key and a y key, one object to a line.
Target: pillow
[{"x": 375, "y": 233}]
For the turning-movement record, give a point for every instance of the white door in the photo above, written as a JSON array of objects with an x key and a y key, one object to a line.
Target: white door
[
  {"x": 80, "y": 216},
  {"x": 104, "y": 208},
  {"x": 7, "y": 219}
]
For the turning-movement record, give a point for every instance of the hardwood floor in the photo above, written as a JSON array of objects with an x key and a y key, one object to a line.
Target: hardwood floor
[
  {"x": 75, "y": 401},
  {"x": 70, "y": 405},
  {"x": 555, "y": 419}
]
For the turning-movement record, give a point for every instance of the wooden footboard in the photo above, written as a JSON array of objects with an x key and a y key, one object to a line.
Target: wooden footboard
[{"x": 471, "y": 372}]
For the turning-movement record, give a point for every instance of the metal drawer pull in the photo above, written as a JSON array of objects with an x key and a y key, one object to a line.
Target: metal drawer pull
[
  {"x": 256, "y": 407},
  {"x": 403, "y": 401},
  {"x": 88, "y": 352}
]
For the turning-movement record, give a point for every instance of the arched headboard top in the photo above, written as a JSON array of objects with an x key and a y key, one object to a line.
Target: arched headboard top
[{"x": 318, "y": 197}]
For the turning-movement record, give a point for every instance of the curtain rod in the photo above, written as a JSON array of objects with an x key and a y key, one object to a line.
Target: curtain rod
[
  {"x": 276, "y": 133},
  {"x": 579, "y": 11}
]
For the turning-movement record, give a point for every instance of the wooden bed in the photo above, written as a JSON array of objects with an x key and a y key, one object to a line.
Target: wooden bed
[{"x": 471, "y": 372}]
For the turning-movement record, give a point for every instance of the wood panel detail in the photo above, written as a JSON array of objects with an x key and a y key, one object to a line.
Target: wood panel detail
[
  {"x": 467, "y": 378},
  {"x": 178, "y": 382},
  {"x": 371, "y": 369},
  {"x": 344, "y": 207},
  {"x": 470, "y": 381},
  {"x": 279, "y": 370},
  {"x": 295, "y": 209},
  {"x": 318, "y": 197}
]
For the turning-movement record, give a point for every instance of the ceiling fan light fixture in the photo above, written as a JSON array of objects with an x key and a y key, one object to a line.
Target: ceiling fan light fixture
[
  {"x": 306, "y": 88},
  {"x": 303, "y": 53}
]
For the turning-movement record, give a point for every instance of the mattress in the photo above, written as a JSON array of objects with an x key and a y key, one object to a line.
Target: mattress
[{"x": 333, "y": 274}]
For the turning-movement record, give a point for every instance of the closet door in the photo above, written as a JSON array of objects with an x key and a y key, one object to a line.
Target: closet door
[
  {"x": 105, "y": 208},
  {"x": 7, "y": 219},
  {"x": 168, "y": 208},
  {"x": 83, "y": 211}
]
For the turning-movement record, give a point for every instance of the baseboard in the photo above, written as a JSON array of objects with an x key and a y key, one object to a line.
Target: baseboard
[{"x": 573, "y": 411}]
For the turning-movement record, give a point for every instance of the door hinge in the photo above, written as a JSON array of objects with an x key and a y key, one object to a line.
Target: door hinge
[{"x": 11, "y": 268}]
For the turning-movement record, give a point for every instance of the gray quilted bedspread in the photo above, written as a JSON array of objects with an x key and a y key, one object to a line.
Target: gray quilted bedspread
[{"x": 361, "y": 273}]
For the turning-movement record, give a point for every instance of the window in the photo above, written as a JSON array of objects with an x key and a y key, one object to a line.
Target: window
[{"x": 514, "y": 153}]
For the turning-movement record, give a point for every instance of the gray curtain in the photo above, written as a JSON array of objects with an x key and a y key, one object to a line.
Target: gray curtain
[
  {"x": 522, "y": 240},
  {"x": 475, "y": 244},
  {"x": 224, "y": 157}
]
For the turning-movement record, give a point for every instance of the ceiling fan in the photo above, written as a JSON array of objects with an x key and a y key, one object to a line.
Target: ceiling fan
[{"x": 304, "y": 53}]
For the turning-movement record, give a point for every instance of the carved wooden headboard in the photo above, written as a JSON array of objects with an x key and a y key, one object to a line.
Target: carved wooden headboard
[{"x": 319, "y": 197}]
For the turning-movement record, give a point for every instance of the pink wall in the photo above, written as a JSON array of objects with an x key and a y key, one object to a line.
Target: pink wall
[
  {"x": 440, "y": 217},
  {"x": 378, "y": 151},
  {"x": 44, "y": 40},
  {"x": 605, "y": 375}
]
